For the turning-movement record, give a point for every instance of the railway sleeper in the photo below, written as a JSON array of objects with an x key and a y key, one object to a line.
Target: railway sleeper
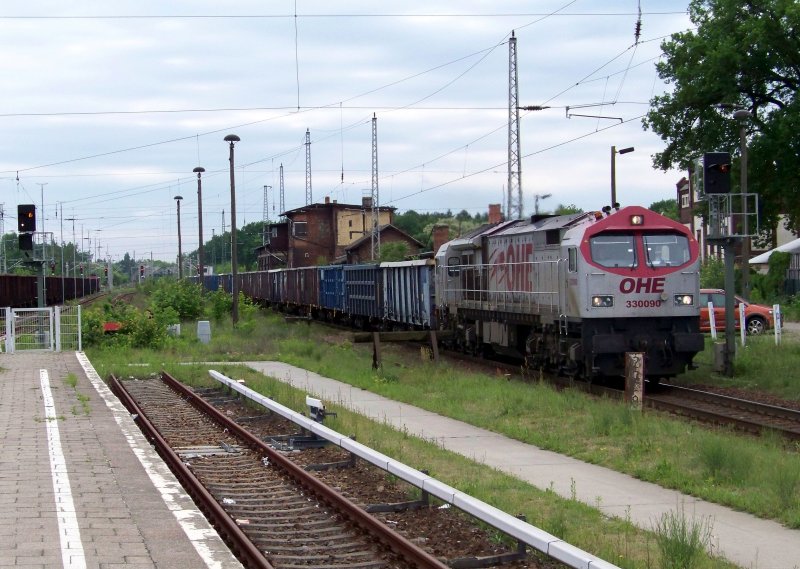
[{"x": 423, "y": 502}]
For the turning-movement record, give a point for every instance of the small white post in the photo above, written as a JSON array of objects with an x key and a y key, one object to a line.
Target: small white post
[
  {"x": 742, "y": 324},
  {"x": 712, "y": 321},
  {"x": 776, "y": 313}
]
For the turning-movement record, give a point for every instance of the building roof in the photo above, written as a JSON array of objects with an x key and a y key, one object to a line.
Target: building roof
[
  {"x": 381, "y": 228},
  {"x": 336, "y": 205},
  {"x": 763, "y": 258}
]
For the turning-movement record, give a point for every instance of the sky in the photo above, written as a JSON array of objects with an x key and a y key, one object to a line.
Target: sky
[{"x": 107, "y": 107}]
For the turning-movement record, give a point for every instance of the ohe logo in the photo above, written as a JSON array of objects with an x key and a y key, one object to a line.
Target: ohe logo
[{"x": 642, "y": 284}]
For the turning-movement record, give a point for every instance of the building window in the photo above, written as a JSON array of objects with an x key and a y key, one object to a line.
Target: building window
[
  {"x": 300, "y": 228},
  {"x": 350, "y": 223},
  {"x": 684, "y": 200}
]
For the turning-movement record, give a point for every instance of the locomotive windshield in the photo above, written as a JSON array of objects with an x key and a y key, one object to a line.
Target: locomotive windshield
[
  {"x": 613, "y": 250},
  {"x": 665, "y": 250}
]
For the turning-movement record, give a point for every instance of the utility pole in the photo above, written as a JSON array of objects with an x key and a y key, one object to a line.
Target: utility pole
[
  {"x": 308, "y": 167},
  {"x": 282, "y": 206},
  {"x": 265, "y": 216},
  {"x": 41, "y": 188},
  {"x": 3, "y": 237},
  {"x": 222, "y": 237},
  {"x": 515, "y": 210},
  {"x": 376, "y": 234}
]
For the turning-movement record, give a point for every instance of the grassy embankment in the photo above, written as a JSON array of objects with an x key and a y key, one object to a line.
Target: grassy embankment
[{"x": 716, "y": 465}]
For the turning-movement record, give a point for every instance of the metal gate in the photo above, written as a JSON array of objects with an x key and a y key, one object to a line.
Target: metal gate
[{"x": 40, "y": 329}]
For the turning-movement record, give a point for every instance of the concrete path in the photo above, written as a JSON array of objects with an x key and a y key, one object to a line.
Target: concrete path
[{"x": 743, "y": 539}]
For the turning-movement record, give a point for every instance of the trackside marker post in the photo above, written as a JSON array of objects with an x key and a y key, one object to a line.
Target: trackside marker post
[{"x": 634, "y": 380}]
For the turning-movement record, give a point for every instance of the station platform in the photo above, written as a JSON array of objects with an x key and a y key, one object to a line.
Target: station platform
[
  {"x": 80, "y": 487},
  {"x": 743, "y": 539}
]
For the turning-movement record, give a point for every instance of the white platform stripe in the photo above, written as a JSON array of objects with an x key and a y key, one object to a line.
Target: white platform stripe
[
  {"x": 72, "y": 555},
  {"x": 204, "y": 538}
]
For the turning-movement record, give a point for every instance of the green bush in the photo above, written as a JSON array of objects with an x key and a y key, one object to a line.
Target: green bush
[
  {"x": 770, "y": 287},
  {"x": 92, "y": 327},
  {"x": 145, "y": 331},
  {"x": 712, "y": 273},
  {"x": 219, "y": 304},
  {"x": 183, "y": 296}
]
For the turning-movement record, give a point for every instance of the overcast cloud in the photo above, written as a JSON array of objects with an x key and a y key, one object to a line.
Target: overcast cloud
[{"x": 111, "y": 105}]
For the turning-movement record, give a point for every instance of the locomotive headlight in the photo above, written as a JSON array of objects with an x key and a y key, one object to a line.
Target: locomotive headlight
[
  {"x": 684, "y": 299},
  {"x": 602, "y": 301},
  {"x": 637, "y": 220}
]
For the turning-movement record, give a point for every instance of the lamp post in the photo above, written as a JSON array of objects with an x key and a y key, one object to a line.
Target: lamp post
[
  {"x": 742, "y": 115},
  {"x": 200, "y": 269},
  {"x": 232, "y": 139},
  {"x": 180, "y": 251},
  {"x": 614, "y": 153}
]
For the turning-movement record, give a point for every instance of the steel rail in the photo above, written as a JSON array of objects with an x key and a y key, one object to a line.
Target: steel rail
[
  {"x": 236, "y": 539},
  {"x": 413, "y": 554}
]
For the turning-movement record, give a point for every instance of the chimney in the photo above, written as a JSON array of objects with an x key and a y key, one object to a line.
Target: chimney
[
  {"x": 366, "y": 202},
  {"x": 441, "y": 235},
  {"x": 327, "y": 200},
  {"x": 495, "y": 215}
]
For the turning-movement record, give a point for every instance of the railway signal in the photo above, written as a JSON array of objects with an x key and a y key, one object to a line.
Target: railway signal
[
  {"x": 26, "y": 241},
  {"x": 26, "y": 218},
  {"x": 141, "y": 271},
  {"x": 717, "y": 172}
]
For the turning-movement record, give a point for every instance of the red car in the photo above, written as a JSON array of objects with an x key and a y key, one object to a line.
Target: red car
[{"x": 758, "y": 318}]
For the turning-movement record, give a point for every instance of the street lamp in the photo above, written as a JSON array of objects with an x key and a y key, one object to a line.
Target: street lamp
[
  {"x": 614, "y": 153},
  {"x": 232, "y": 139},
  {"x": 180, "y": 251},
  {"x": 200, "y": 269},
  {"x": 742, "y": 115}
]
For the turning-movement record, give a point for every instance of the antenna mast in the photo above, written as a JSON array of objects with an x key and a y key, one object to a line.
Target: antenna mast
[
  {"x": 376, "y": 236},
  {"x": 308, "y": 167},
  {"x": 514, "y": 169}
]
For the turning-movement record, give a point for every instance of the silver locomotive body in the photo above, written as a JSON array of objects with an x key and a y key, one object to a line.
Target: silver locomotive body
[{"x": 576, "y": 292}]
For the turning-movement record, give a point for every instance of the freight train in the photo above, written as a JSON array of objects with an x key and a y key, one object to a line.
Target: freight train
[
  {"x": 572, "y": 293},
  {"x": 19, "y": 291}
]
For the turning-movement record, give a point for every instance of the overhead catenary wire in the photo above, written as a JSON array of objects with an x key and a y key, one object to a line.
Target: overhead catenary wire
[{"x": 340, "y": 132}]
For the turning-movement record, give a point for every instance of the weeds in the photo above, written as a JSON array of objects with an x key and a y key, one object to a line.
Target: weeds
[{"x": 681, "y": 541}]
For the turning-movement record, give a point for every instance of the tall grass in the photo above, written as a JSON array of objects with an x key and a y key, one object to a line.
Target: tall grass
[
  {"x": 682, "y": 541},
  {"x": 759, "y": 365}
]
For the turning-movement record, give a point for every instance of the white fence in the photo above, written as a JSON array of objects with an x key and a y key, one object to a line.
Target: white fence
[{"x": 55, "y": 328}]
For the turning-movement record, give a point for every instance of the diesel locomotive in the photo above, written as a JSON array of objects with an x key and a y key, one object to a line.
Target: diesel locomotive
[{"x": 576, "y": 292}]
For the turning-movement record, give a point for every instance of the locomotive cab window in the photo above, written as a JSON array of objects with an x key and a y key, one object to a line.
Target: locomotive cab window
[
  {"x": 613, "y": 250},
  {"x": 573, "y": 259},
  {"x": 666, "y": 250}
]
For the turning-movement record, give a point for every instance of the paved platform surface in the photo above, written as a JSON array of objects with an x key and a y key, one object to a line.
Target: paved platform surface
[
  {"x": 743, "y": 539},
  {"x": 79, "y": 484}
]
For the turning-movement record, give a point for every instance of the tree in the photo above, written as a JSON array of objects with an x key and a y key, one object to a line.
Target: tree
[
  {"x": 667, "y": 208},
  {"x": 743, "y": 54},
  {"x": 566, "y": 209}
]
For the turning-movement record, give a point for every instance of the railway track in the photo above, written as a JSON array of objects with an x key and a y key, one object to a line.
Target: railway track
[
  {"x": 743, "y": 415},
  {"x": 272, "y": 511}
]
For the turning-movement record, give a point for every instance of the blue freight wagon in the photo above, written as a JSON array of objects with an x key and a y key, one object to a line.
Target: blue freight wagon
[{"x": 408, "y": 293}]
